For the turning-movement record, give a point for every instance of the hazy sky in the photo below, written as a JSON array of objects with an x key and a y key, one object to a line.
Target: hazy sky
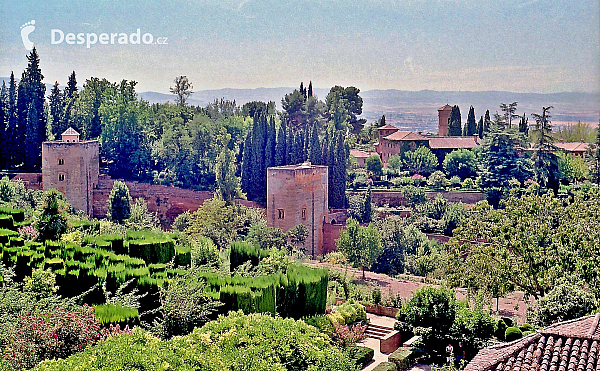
[{"x": 514, "y": 45}]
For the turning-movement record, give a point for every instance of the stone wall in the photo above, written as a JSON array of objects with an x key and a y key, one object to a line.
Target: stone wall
[
  {"x": 331, "y": 232},
  {"x": 396, "y": 198},
  {"x": 166, "y": 201},
  {"x": 30, "y": 180}
]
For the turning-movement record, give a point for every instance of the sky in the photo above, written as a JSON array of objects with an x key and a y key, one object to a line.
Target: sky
[{"x": 538, "y": 46}]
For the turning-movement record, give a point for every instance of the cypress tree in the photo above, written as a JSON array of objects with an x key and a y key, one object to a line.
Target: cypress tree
[
  {"x": 480, "y": 127},
  {"x": 3, "y": 120},
  {"x": 13, "y": 134},
  {"x": 471, "y": 126},
  {"x": 69, "y": 98},
  {"x": 368, "y": 212},
  {"x": 310, "y": 90},
  {"x": 314, "y": 150},
  {"x": 33, "y": 156},
  {"x": 270, "y": 143},
  {"x": 524, "y": 125},
  {"x": 281, "y": 145},
  {"x": 338, "y": 169},
  {"x": 71, "y": 88},
  {"x": 56, "y": 106},
  {"x": 247, "y": 176},
  {"x": 486, "y": 122},
  {"x": 455, "y": 126}
]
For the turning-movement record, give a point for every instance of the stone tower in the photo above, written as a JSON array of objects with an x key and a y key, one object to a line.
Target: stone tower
[
  {"x": 297, "y": 194},
  {"x": 444, "y": 116},
  {"x": 72, "y": 166}
]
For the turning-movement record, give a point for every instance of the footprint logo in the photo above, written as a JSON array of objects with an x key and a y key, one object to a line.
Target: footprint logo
[{"x": 27, "y": 29}]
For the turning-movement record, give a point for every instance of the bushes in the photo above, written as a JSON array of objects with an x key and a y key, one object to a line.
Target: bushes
[
  {"x": 362, "y": 355},
  {"x": 250, "y": 342},
  {"x": 403, "y": 357},
  {"x": 385, "y": 366},
  {"x": 242, "y": 252},
  {"x": 500, "y": 329},
  {"x": 302, "y": 292},
  {"x": 513, "y": 333}
]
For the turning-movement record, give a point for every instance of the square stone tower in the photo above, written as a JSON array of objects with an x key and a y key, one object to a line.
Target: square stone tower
[
  {"x": 297, "y": 194},
  {"x": 444, "y": 116},
  {"x": 72, "y": 166}
]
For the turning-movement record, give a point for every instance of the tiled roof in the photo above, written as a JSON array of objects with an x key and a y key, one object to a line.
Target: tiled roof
[
  {"x": 70, "y": 131},
  {"x": 360, "y": 154},
  {"x": 570, "y": 345},
  {"x": 453, "y": 142},
  {"x": 387, "y": 127},
  {"x": 447, "y": 107},
  {"x": 573, "y": 146},
  {"x": 405, "y": 135}
]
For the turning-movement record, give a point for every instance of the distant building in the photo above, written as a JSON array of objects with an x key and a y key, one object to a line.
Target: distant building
[
  {"x": 393, "y": 141},
  {"x": 570, "y": 345},
  {"x": 72, "y": 167},
  {"x": 361, "y": 156},
  {"x": 575, "y": 148},
  {"x": 298, "y": 194}
]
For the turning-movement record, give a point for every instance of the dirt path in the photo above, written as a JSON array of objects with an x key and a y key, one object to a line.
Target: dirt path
[{"x": 513, "y": 305}]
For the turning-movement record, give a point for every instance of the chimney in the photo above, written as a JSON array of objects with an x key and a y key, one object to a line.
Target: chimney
[
  {"x": 476, "y": 137},
  {"x": 420, "y": 133},
  {"x": 562, "y": 140}
]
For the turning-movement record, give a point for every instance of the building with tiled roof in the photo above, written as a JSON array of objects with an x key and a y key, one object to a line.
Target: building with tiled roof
[
  {"x": 361, "y": 156},
  {"x": 576, "y": 148},
  {"x": 570, "y": 345}
]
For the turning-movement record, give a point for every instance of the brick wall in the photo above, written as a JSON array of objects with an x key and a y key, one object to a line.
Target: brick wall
[
  {"x": 30, "y": 180},
  {"x": 331, "y": 232}
]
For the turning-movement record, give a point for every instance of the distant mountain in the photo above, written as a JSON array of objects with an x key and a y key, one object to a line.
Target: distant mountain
[{"x": 416, "y": 110}]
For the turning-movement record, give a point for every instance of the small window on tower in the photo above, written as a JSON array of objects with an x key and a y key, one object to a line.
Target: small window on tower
[
  {"x": 61, "y": 161},
  {"x": 303, "y": 213},
  {"x": 61, "y": 177},
  {"x": 280, "y": 214}
]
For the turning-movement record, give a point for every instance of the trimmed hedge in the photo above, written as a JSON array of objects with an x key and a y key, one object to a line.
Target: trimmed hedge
[
  {"x": 18, "y": 215},
  {"x": 500, "y": 329},
  {"x": 6, "y": 234},
  {"x": 526, "y": 327},
  {"x": 403, "y": 357},
  {"x": 513, "y": 333},
  {"x": 363, "y": 355},
  {"x": 242, "y": 251},
  {"x": 385, "y": 366},
  {"x": 116, "y": 315},
  {"x": 7, "y": 222}
]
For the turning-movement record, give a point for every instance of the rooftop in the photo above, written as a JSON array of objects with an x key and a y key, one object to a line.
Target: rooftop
[
  {"x": 70, "y": 131},
  {"x": 360, "y": 154},
  {"x": 447, "y": 107},
  {"x": 304, "y": 165},
  {"x": 453, "y": 142},
  {"x": 573, "y": 146},
  {"x": 387, "y": 127},
  {"x": 569, "y": 345},
  {"x": 405, "y": 135}
]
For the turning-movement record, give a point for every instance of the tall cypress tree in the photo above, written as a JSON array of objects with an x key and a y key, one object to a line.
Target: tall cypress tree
[
  {"x": 69, "y": 97},
  {"x": 247, "y": 168},
  {"x": 486, "y": 122},
  {"x": 310, "y": 90},
  {"x": 471, "y": 126},
  {"x": 314, "y": 150},
  {"x": 31, "y": 95},
  {"x": 480, "y": 127},
  {"x": 455, "y": 126},
  {"x": 15, "y": 138},
  {"x": 338, "y": 171},
  {"x": 524, "y": 125},
  {"x": 270, "y": 143},
  {"x": 281, "y": 145},
  {"x": 56, "y": 107},
  {"x": 3, "y": 120}
]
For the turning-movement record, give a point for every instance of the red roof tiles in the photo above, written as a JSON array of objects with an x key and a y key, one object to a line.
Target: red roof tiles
[
  {"x": 405, "y": 135},
  {"x": 453, "y": 142},
  {"x": 570, "y": 345},
  {"x": 387, "y": 127},
  {"x": 447, "y": 107}
]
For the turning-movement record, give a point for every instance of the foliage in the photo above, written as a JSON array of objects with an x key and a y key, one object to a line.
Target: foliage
[
  {"x": 472, "y": 326},
  {"x": 565, "y": 301},
  {"x": 140, "y": 218},
  {"x": 52, "y": 222},
  {"x": 461, "y": 163},
  {"x": 204, "y": 253},
  {"x": 335, "y": 258},
  {"x": 385, "y": 366},
  {"x": 455, "y": 123},
  {"x": 420, "y": 161},
  {"x": 545, "y": 159},
  {"x": 361, "y": 245},
  {"x": 414, "y": 195},
  {"x": 572, "y": 168},
  {"x": 228, "y": 184},
  {"x": 182, "y": 89},
  {"x": 362, "y": 355},
  {"x": 345, "y": 336},
  {"x": 374, "y": 165},
  {"x": 41, "y": 283},
  {"x": 252, "y": 342},
  {"x": 395, "y": 162},
  {"x": 116, "y": 314},
  {"x": 437, "y": 180},
  {"x": 119, "y": 203},
  {"x": 399, "y": 241},
  {"x": 513, "y": 333}
]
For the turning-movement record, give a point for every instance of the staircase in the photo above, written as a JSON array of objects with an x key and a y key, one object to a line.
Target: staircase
[{"x": 377, "y": 331}]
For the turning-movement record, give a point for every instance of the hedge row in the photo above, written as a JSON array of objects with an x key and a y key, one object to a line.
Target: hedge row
[
  {"x": 18, "y": 215},
  {"x": 385, "y": 366},
  {"x": 116, "y": 314},
  {"x": 241, "y": 252},
  {"x": 363, "y": 355}
]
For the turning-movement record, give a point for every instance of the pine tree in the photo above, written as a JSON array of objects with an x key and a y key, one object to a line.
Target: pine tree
[
  {"x": 310, "y": 90},
  {"x": 281, "y": 145},
  {"x": 471, "y": 126},
  {"x": 71, "y": 88},
  {"x": 56, "y": 107},
  {"x": 509, "y": 112},
  {"x": 455, "y": 126}
]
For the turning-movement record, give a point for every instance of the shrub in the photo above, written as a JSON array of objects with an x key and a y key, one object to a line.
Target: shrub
[
  {"x": 455, "y": 182},
  {"x": 242, "y": 252},
  {"x": 362, "y": 355},
  {"x": 500, "y": 329},
  {"x": 335, "y": 258},
  {"x": 322, "y": 322},
  {"x": 526, "y": 327},
  {"x": 402, "y": 357},
  {"x": 461, "y": 162},
  {"x": 508, "y": 321},
  {"x": 437, "y": 180},
  {"x": 376, "y": 296},
  {"x": 116, "y": 314},
  {"x": 513, "y": 333},
  {"x": 414, "y": 195},
  {"x": 385, "y": 366},
  {"x": 119, "y": 203}
]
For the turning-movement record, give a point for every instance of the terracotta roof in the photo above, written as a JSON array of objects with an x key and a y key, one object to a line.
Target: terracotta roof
[
  {"x": 570, "y": 345},
  {"x": 360, "y": 154},
  {"x": 70, "y": 131},
  {"x": 573, "y": 146},
  {"x": 453, "y": 142},
  {"x": 405, "y": 135},
  {"x": 387, "y": 127},
  {"x": 447, "y": 107}
]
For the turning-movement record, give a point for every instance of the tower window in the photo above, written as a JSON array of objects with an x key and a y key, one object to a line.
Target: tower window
[
  {"x": 61, "y": 177},
  {"x": 280, "y": 214},
  {"x": 303, "y": 213},
  {"x": 61, "y": 161}
]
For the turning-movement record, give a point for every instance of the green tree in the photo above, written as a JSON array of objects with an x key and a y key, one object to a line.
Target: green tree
[
  {"x": 52, "y": 222},
  {"x": 572, "y": 168},
  {"x": 544, "y": 158},
  {"x": 343, "y": 105},
  {"x": 593, "y": 158},
  {"x": 15, "y": 135},
  {"x": 461, "y": 163},
  {"x": 182, "y": 89},
  {"x": 228, "y": 185},
  {"x": 119, "y": 203},
  {"x": 509, "y": 112},
  {"x": 524, "y": 125},
  {"x": 455, "y": 124},
  {"x": 487, "y": 122},
  {"x": 420, "y": 161},
  {"x": 360, "y": 245},
  {"x": 55, "y": 102},
  {"x": 480, "y": 127},
  {"x": 4, "y": 152},
  {"x": 471, "y": 126},
  {"x": 566, "y": 301},
  {"x": 395, "y": 162},
  {"x": 374, "y": 165}
]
